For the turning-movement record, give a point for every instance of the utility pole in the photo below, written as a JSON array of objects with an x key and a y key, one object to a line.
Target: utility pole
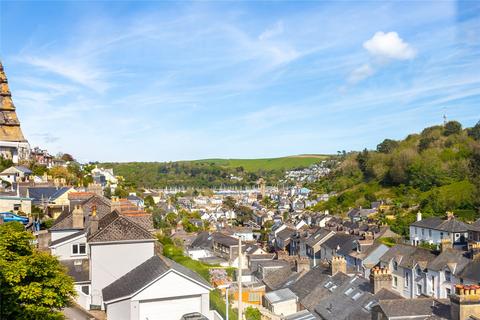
[{"x": 239, "y": 280}]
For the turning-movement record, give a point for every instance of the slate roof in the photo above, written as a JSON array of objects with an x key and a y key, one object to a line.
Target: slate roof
[
  {"x": 280, "y": 295},
  {"x": 450, "y": 257},
  {"x": 318, "y": 236},
  {"x": 64, "y": 220},
  {"x": 471, "y": 271},
  {"x": 144, "y": 274},
  {"x": 403, "y": 309},
  {"x": 144, "y": 220},
  {"x": 301, "y": 315},
  {"x": 308, "y": 281},
  {"x": 79, "y": 270},
  {"x": 449, "y": 225},
  {"x": 286, "y": 233},
  {"x": 340, "y": 240},
  {"x": 64, "y": 239},
  {"x": 224, "y": 239},
  {"x": 276, "y": 279},
  {"x": 350, "y": 298},
  {"x": 115, "y": 227},
  {"x": 407, "y": 256},
  {"x": 23, "y": 169},
  {"x": 48, "y": 193},
  {"x": 204, "y": 240}
]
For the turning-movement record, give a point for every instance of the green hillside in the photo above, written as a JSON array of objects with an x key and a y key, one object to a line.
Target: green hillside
[
  {"x": 209, "y": 173},
  {"x": 253, "y": 165},
  {"x": 435, "y": 171}
]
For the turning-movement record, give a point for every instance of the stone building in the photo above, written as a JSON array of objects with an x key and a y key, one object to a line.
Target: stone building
[{"x": 13, "y": 144}]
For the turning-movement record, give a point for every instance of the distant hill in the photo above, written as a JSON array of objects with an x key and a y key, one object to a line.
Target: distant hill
[
  {"x": 207, "y": 173},
  {"x": 282, "y": 163}
]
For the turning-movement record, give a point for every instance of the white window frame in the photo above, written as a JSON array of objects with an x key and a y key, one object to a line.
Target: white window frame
[{"x": 78, "y": 246}]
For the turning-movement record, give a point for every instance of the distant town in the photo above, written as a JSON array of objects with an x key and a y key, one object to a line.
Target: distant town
[{"x": 324, "y": 241}]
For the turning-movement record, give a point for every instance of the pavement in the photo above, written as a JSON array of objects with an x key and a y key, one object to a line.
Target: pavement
[{"x": 77, "y": 313}]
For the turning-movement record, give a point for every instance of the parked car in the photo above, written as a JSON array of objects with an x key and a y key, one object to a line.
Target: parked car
[{"x": 8, "y": 217}]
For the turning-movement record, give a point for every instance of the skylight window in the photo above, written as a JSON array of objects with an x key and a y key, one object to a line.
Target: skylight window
[
  {"x": 333, "y": 288},
  {"x": 348, "y": 291},
  {"x": 357, "y": 295},
  {"x": 328, "y": 284},
  {"x": 370, "y": 305}
]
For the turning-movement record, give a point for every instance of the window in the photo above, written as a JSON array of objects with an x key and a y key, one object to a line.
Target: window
[
  {"x": 348, "y": 291},
  {"x": 430, "y": 233},
  {"x": 423, "y": 232},
  {"x": 328, "y": 284},
  {"x": 419, "y": 272},
  {"x": 253, "y": 296},
  {"x": 370, "y": 305},
  {"x": 448, "y": 276},
  {"x": 86, "y": 290},
  {"x": 16, "y": 207},
  {"x": 441, "y": 235},
  {"x": 433, "y": 283},
  {"x": 357, "y": 295},
  {"x": 395, "y": 281},
  {"x": 419, "y": 289},
  {"x": 333, "y": 288},
  {"x": 79, "y": 248},
  {"x": 407, "y": 279},
  {"x": 448, "y": 291},
  {"x": 395, "y": 265},
  {"x": 416, "y": 231}
]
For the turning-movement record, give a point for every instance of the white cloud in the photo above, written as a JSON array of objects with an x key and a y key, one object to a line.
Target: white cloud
[
  {"x": 390, "y": 46},
  {"x": 361, "y": 73}
]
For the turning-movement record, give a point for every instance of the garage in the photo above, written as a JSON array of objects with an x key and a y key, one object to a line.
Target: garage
[{"x": 169, "y": 309}]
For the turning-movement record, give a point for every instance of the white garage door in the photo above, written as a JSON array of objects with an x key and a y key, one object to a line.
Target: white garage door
[{"x": 172, "y": 309}]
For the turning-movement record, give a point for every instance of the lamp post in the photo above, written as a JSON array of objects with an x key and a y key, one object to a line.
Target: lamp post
[{"x": 226, "y": 287}]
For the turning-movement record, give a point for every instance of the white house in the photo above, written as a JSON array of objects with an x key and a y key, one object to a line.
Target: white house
[
  {"x": 433, "y": 230},
  {"x": 281, "y": 302},
  {"x": 158, "y": 289}
]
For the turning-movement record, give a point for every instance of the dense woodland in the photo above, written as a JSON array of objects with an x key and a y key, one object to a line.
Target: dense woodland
[{"x": 435, "y": 171}]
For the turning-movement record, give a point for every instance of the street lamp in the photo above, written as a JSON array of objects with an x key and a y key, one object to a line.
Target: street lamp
[{"x": 226, "y": 287}]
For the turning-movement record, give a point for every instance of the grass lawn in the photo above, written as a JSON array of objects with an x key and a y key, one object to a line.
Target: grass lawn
[{"x": 216, "y": 299}]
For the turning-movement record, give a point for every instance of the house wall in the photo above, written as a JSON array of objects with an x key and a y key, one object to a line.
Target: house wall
[
  {"x": 173, "y": 287},
  {"x": 119, "y": 310},
  {"x": 285, "y": 308},
  {"x": 200, "y": 253},
  {"x": 110, "y": 261},
  {"x": 432, "y": 236},
  {"x": 8, "y": 204},
  {"x": 64, "y": 250}
]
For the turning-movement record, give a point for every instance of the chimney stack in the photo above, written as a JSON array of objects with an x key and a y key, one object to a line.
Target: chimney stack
[
  {"x": 339, "y": 264},
  {"x": 380, "y": 278},
  {"x": 77, "y": 217},
  {"x": 475, "y": 251},
  {"x": 465, "y": 302},
  {"x": 446, "y": 243},
  {"x": 114, "y": 204},
  {"x": 94, "y": 220},
  {"x": 302, "y": 264},
  {"x": 419, "y": 216}
]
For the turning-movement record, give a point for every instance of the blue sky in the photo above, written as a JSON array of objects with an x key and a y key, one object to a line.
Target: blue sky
[{"x": 148, "y": 81}]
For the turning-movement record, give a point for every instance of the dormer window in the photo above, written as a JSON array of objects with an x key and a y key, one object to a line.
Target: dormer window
[
  {"x": 419, "y": 272},
  {"x": 395, "y": 265}
]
